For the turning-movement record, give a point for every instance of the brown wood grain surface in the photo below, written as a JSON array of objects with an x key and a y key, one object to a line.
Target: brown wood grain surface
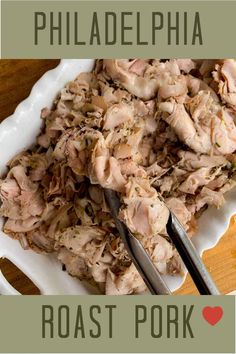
[{"x": 16, "y": 80}]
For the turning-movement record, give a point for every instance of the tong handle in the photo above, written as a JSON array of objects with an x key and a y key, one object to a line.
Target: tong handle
[{"x": 190, "y": 257}]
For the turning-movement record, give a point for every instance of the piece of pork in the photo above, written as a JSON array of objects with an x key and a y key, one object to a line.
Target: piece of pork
[
  {"x": 144, "y": 216},
  {"x": 74, "y": 264},
  {"x": 225, "y": 76},
  {"x": 191, "y": 161},
  {"x": 164, "y": 254},
  {"x": 18, "y": 225},
  {"x": 131, "y": 168},
  {"x": 198, "y": 178},
  {"x": 186, "y": 65},
  {"x": 175, "y": 88},
  {"x": 142, "y": 87},
  {"x": 20, "y": 198},
  {"x": 195, "y": 85},
  {"x": 118, "y": 114},
  {"x": 177, "y": 206},
  {"x": 224, "y": 132},
  {"x": 87, "y": 242},
  {"x": 143, "y": 212},
  {"x": 191, "y": 135},
  {"x": 128, "y": 282},
  {"x": 108, "y": 173},
  {"x": 203, "y": 131},
  {"x": 209, "y": 197}
]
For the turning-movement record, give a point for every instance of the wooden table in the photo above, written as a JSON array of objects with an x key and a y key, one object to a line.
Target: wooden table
[{"x": 16, "y": 80}]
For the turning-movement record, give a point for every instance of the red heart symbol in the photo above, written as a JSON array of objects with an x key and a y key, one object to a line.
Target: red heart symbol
[{"x": 212, "y": 314}]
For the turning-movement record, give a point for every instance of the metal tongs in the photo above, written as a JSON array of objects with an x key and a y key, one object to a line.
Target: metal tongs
[{"x": 143, "y": 262}]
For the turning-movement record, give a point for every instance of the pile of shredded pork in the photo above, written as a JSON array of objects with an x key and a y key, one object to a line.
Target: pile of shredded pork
[{"x": 152, "y": 130}]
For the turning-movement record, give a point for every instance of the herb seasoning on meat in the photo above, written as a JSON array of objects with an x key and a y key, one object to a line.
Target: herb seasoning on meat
[{"x": 149, "y": 129}]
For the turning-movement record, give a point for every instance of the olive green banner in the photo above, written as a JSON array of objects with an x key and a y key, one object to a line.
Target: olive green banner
[
  {"x": 125, "y": 324},
  {"x": 109, "y": 29}
]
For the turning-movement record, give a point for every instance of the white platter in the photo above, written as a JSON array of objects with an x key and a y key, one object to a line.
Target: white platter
[{"x": 19, "y": 132}]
